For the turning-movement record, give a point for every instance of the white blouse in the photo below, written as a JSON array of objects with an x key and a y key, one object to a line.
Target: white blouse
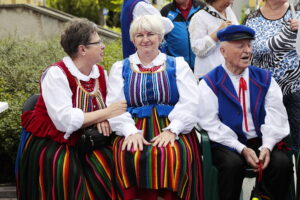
[
  {"x": 57, "y": 95},
  {"x": 182, "y": 117},
  {"x": 143, "y": 8},
  {"x": 207, "y": 50},
  {"x": 276, "y": 125}
]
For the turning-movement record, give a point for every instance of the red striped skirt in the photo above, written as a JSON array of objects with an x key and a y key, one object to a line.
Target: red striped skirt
[{"x": 177, "y": 169}]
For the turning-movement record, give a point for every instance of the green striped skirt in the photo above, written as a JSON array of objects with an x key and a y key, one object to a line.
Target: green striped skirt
[{"x": 50, "y": 170}]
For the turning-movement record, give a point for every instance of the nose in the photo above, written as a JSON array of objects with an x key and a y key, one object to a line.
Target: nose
[
  {"x": 145, "y": 38},
  {"x": 248, "y": 49},
  {"x": 102, "y": 46}
]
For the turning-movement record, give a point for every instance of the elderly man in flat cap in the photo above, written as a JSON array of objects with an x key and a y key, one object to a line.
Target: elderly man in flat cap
[{"x": 244, "y": 117}]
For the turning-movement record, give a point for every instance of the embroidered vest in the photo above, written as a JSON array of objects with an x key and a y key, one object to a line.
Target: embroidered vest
[
  {"x": 230, "y": 109},
  {"x": 145, "y": 90},
  {"x": 38, "y": 121}
]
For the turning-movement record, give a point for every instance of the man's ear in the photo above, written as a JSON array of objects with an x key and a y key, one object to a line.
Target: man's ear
[{"x": 222, "y": 50}]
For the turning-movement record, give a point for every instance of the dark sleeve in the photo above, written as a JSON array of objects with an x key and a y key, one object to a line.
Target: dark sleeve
[{"x": 165, "y": 10}]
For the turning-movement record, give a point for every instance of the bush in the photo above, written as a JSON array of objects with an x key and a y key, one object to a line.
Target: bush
[{"x": 21, "y": 64}]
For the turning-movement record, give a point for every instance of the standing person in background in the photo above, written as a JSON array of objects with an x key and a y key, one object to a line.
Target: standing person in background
[
  {"x": 177, "y": 42},
  {"x": 131, "y": 9},
  {"x": 216, "y": 15},
  {"x": 274, "y": 50}
]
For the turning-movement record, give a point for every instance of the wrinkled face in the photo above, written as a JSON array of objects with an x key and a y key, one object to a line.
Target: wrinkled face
[
  {"x": 95, "y": 49},
  {"x": 146, "y": 41},
  {"x": 238, "y": 53}
]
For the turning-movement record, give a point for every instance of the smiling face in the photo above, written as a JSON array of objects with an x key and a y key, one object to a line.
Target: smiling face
[
  {"x": 237, "y": 54},
  {"x": 146, "y": 42}
]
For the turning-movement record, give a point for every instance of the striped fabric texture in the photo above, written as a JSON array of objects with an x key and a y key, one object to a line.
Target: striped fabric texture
[
  {"x": 50, "y": 170},
  {"x": 177, "y": 168}
]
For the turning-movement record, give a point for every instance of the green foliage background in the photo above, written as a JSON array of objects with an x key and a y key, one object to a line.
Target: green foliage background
[
  {"x": 91, "y": 9},
  {"x": 21, "y": 64}
]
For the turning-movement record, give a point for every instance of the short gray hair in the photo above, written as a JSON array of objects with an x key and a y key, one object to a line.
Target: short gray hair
[{"x": 151, "y": 23}]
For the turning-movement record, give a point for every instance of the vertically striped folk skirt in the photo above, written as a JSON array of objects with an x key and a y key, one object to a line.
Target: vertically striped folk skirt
[
  {"x": 176, "y": 169},
  {"x": 49, "y": 170}
]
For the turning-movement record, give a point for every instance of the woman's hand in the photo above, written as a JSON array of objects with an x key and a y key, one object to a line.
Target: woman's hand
[
  {"x": 164, "y": 138},
  {"x": 224, "y": 25},
  {"x": 294, "y": 24},
  {"x": 136, "y": 141},
  {"x": 104, "y": 128},
  {"x": 116, "y": 109}
]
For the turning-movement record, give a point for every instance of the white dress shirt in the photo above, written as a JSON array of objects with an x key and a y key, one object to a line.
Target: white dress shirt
[
  {"x": 143, "y": 8},
  {"x": 182, "y": 117},
  {"x": 57, "y": 95},
  {"x": 276, "y": 125},
  {"x": 207, "y": 50}
]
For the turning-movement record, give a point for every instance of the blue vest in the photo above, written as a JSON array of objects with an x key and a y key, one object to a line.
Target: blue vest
[
  {"x": 126, "y": 19},
  {"x": 143, "y": 91},
  {"x": 179, "y": 36},
  {"x": 230, "y": 109}
]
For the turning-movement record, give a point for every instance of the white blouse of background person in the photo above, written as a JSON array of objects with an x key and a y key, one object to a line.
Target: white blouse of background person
[
  {"x": 207, "y": 50},
  {"x": 145, "y": 8}
]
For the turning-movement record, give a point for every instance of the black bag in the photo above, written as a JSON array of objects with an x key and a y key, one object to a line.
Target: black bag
[
  {"x": 91, "y": 139},
  {"x": 259, "y": 191}
]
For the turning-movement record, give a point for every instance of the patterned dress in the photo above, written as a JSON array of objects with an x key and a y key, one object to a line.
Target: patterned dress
[
  {"x": 151, "y": 96},
  {"x": 51, "y": 167},
  {"x": 274, "y": 50}
]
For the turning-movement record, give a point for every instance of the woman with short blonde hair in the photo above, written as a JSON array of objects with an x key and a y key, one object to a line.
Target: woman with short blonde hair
[{"x": 157, "y": 151}]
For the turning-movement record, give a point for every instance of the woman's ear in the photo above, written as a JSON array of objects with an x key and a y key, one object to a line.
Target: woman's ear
[{"x": 81, "y": 50}]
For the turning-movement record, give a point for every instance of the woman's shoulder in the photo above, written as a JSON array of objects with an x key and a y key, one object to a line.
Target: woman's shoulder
[
  {"x": 200, "y": 14},
  {"x": 253, "y": 14}
]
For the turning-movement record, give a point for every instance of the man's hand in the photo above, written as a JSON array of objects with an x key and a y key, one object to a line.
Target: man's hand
[
  {"x": 264, "y": 157},
  {"x": 164, "y": 138},
  {"x": 135, "y": 141},
  {"x": 250, "y": 157}
]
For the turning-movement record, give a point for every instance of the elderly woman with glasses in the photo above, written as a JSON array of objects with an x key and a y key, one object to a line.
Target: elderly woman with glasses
[
  {"x": 157, "y": 151},
  {"x": 72, "y": 96}
]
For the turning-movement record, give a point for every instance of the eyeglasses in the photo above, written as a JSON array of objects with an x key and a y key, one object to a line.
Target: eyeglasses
[{"x": 92, "y": 43}]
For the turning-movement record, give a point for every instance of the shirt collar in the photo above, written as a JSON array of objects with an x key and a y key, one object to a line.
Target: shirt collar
[
  {"x": 158, "y": 60},
  {"x": 245, "y": 74},
  {"x": 75, "y": 71}
]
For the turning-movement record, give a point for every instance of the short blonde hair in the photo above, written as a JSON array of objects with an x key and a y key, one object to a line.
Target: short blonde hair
[{"x": 151, "y": 23}]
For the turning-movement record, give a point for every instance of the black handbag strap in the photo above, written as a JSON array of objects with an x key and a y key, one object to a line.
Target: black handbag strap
[{"x": 213, "y": 13}]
